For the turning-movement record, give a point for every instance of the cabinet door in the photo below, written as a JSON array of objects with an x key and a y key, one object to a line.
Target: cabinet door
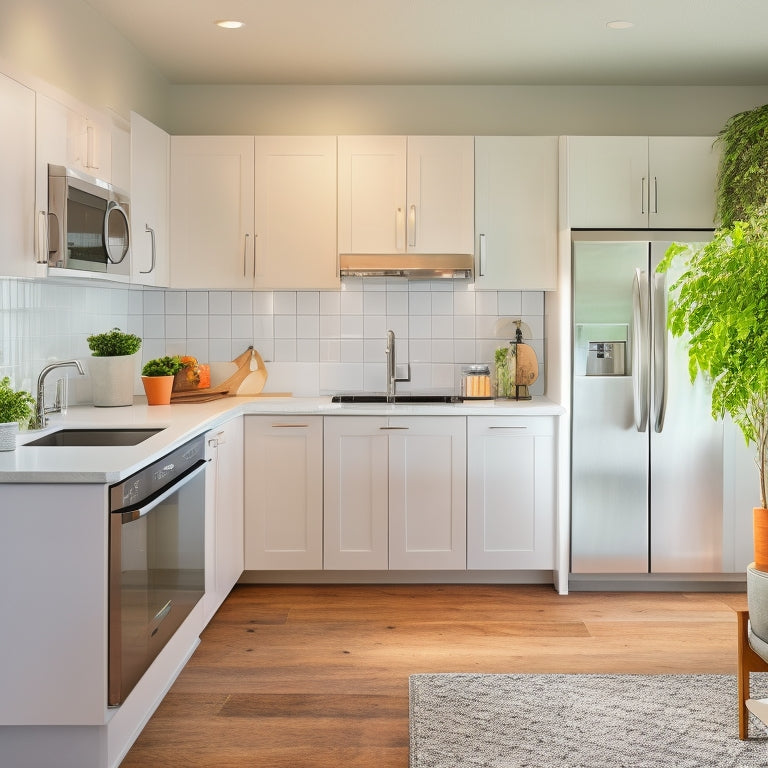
[
  {"x": 224, "y": 513},
  {"x": 510, "y": 492},
  {"x": 683, "y": 174},
  {"x": 516, "y": 182},
  {"x": 441, "y": 194},
  {"x": 356, "y": 497},
  {"x": 371, "y": 211},
  {"x": 150, "y": 168},
  {"x": 284, "y": 492},
  {"x": 608, "y": 181},
  {"x": 295, "y": 216},
  {"x": 212, "y": 212},
  {"x": 17, "y": 197},
  {"x": 427, "y": 492}
]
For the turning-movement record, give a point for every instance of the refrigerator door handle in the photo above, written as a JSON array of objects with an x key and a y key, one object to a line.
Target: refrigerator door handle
[
  {"x": 659, "y": 305},
  {"x": 640, "y": 349}
]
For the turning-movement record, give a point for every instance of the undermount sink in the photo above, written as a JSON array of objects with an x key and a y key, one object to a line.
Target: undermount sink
[
  {"x": 70, "y": 438},
  {"x": 402, "y": 399}
]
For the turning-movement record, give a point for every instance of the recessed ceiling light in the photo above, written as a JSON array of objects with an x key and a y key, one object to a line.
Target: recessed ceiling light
[
  {"x": 618, "y": 24},
  {"x": 229, "y": 24}
]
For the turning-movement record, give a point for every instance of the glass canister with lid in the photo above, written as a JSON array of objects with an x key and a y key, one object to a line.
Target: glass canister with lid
[{"x": 475, "y": 382}]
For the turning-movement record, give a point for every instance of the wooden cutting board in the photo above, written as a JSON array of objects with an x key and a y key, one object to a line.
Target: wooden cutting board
[{"x": 527, "y": 365}]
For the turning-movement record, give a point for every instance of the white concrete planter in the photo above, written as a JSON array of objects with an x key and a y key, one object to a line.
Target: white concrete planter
[
  {"x": 8, "y": 432},
  {"x": 113, "y": 379}
]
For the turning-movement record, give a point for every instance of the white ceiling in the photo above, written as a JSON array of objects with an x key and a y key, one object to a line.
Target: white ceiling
[{"x": 675, "y": 42}]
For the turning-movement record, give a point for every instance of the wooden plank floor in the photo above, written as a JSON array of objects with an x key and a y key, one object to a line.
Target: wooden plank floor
[{"x": 317, "y": 676}]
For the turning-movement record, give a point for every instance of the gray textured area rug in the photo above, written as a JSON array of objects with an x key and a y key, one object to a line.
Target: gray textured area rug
[{"x": 580, "y": 721}]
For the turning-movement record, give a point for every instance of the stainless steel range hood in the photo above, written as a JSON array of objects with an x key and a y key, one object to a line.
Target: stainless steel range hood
[{"x": 420, "y": 266}]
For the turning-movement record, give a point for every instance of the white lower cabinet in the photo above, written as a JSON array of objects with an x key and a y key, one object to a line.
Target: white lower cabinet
[
  {"x": 224, "y": 513},
  {"x": 395, "y": 493},
  {"x": 510, "y": 492},
  {"x": 283, "y": 492}
]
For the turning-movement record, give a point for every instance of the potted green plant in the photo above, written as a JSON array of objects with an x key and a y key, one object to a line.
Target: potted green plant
[
  {"x": 113, "y": 366},
  {"x": 720, "y": 302},
  {"x": 17, "y": 408},
  {"x": 157, "y": 375}
]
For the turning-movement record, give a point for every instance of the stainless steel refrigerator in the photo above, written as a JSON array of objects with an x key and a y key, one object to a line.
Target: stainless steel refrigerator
[{"x": 647, "y": 457}]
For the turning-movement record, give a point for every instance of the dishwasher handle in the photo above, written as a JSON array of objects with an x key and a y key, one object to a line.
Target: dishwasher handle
[{"x": 129, "y": 515}]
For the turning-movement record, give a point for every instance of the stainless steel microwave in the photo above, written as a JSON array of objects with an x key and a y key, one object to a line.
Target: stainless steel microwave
[{"x": 88, "y": 225}]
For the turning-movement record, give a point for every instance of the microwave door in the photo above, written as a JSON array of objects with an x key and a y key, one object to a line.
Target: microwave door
[{"x": 116, "y": 233}]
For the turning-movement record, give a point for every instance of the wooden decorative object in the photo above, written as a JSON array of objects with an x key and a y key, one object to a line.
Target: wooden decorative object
[{"x": 230, "y": 386}]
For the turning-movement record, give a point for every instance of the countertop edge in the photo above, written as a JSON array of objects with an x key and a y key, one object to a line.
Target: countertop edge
[{"x": 181, "y": 423}]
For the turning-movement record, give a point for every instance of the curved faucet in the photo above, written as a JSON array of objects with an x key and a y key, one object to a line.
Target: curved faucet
[
  {"x": 40, "y": 418},
  {"x": 391, "y": 370}
]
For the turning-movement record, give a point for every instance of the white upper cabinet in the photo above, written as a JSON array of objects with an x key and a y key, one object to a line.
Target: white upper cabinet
[
  {"x": 295, "y": 213},
  {"x": 74, "y": 136},
  {"x": 516, "y": 204},
  {"x": 253, "y": 213},
  {"x": 149, "y": 180},
  {"x": 211, "y": 212},
  {"x": 17, "y": 197},
  {"x": 406, "y": 194},
  {"x": 637, "y": 182}
]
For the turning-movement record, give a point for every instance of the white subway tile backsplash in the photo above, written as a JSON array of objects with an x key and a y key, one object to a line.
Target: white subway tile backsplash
[
  {"x": 220, "y": 302},
  {"x": 242, "y": 303},
  {"x": 285, "y": 302},
  {"x": 220, "y": 327},
  {"x": 338, "y": 337},
  {"x": 285, "y": 326},
  {"x": 197, "y": 302},
  {"x": 175, "y": 302}
]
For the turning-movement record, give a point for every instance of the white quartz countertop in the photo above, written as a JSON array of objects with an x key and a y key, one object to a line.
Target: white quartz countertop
[{"x": 180, "y": 422}]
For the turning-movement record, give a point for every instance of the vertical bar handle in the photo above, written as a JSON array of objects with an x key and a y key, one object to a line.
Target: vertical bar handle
[
  {"x": 640, "y": 349},
  {"x": 642, "y": 195},
  {"x": 42, "y": 238},
  {"x": 151, "y": 231},
  {"x": 482, "y": 256},
  {"x": 659, "y": 330},
  {"x": 245, "y": 253},
  {"x": 655, "y": 195}
]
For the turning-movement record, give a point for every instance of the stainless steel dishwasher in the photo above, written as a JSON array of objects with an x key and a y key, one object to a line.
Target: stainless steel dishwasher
[{"x": 156, "y": 560}]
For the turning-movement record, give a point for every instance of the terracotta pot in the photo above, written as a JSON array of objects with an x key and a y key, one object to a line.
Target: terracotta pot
[
  {"x": 158, "y": 389},
  {"x": 760, "y": 537}
]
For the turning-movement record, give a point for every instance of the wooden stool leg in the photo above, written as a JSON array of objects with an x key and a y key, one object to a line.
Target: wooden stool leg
[{"x": 742, "y": 623}]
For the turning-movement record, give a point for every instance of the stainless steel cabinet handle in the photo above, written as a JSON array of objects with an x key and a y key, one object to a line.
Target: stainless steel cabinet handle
[
  {"x": 245, "y": 253},
  {"x": 42, "y": 237},
  {"x": 288, "y": 426},
  {"x": 482, "y": 255},
  {"x": 655, "y": 195},
  {"x": 642, "y": 195},
  {"x": 394, "y": 427},
  {"x": 659, "y": 329},
  {"x": 640, "y": 349},
  {"x": 151, "y": 231},
  {"x": 254, "y": 254},
  {"x": 412, "y": 226},
  {"x": 508, "y": 427}
]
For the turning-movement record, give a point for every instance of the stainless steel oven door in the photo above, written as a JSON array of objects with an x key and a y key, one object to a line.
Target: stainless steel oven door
[{"x": 157, "y": 576}]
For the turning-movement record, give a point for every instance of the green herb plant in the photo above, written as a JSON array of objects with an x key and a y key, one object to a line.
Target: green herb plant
[
  {"x": 113, "y": 343},
  {"x": 15, "y": 405},
  {"x": 721, "y": 302},
  {"x": 162, "y": 366}
]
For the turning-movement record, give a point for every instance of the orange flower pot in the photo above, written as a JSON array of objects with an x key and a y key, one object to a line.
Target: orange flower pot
[
  {"x": 158, "y": 389},
  {"x": 760, "y": 537}
]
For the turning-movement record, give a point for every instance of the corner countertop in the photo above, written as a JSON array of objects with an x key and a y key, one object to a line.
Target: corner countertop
[{"x": 179, "y": 423}]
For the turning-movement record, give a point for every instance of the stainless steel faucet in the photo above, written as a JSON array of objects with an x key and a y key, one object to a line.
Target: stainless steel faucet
[
  {"x": 391, "y": 369},
  {"x": 40, "y": 418}
]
